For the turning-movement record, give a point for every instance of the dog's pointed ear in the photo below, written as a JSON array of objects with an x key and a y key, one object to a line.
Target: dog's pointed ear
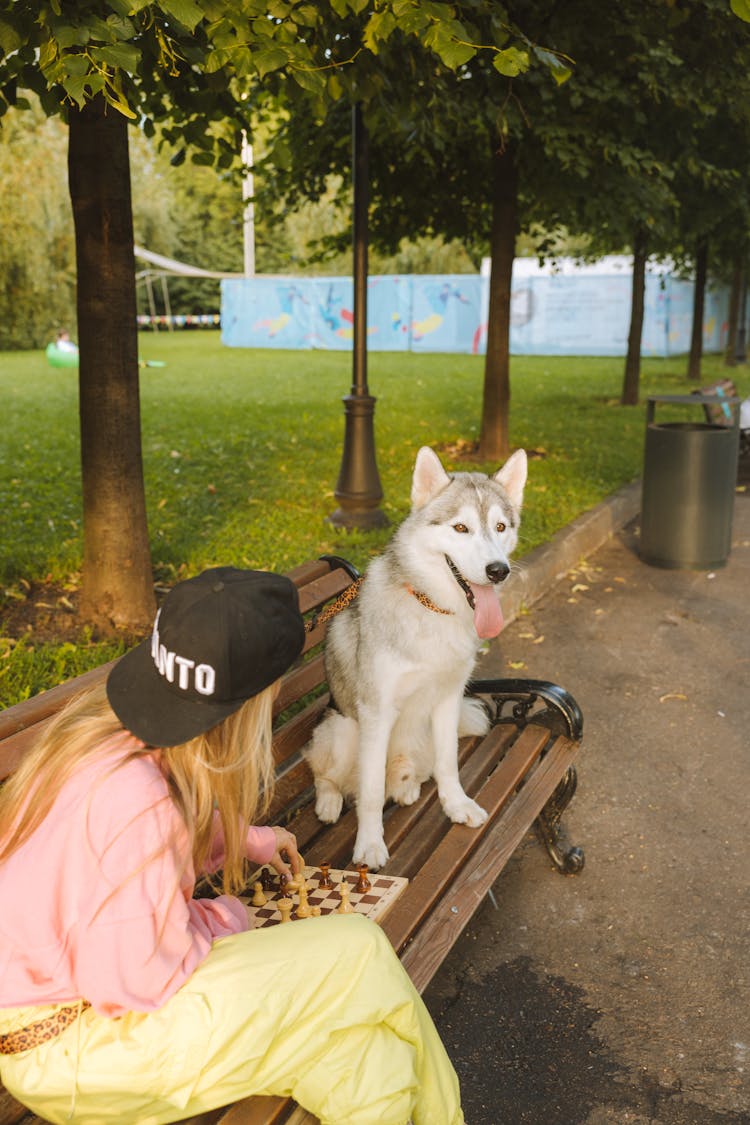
[
  {"x": 512, "y": 476},
  {"x": 429, "y": 477}
]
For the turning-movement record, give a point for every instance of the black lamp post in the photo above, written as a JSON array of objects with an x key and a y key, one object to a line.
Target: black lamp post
[{"x": 358, "y": 489}]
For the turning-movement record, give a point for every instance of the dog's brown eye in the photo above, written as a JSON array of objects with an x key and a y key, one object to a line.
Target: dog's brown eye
[
  {"x": 501, "y": 527},
  {"x": 461, "y": 528}
]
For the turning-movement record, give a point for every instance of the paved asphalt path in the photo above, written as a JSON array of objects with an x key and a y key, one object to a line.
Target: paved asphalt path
[{"x": 622, "y": 996}]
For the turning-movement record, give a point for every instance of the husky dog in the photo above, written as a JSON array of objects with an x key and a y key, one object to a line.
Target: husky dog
[{"x": 399, "y": 657}]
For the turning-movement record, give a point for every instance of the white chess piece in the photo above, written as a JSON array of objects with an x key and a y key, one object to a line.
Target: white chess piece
[
  {"x": 303, "y": 910},
  {"x": 345, "y": 907}
]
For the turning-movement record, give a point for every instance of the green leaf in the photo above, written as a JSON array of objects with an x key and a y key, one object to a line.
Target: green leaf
[
  {"x": 76, "y": 65},
  {"x": 741, "y": 8},
  {"x": 268, "y": 59},
  {"x": 312, "y": 80},
  {"x": 185, "y": 12},
  {"x": 242, "y": 61},
  {"x": 68, "y": 36},
  {"x": 335, "y": 88},
  {"x": 559, "y": 69},
  {"x": 511, "y": 62},
  {"x": 122, "y": 55},
  {"x": 10, "y": 40},
  {"x": 307, "y": 15},
  {"x": 75, "y": 88},
  {"x": 440, "y": 39},
  {"x": 216, "y": 59},
  {"x": 378, "y": 28},
  {"x": 122, "y": 27},
  {"x": 123, "y": 8}
]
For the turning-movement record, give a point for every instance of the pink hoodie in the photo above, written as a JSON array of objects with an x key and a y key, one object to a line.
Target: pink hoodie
[{"x": 98, "y": 901}]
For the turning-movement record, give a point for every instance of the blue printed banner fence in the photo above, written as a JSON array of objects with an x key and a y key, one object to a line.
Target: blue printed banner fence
[{"x": 551, "y": 313}]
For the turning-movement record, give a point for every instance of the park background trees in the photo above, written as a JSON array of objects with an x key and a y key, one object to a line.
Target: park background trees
[
  {"x": 181, "y": 67},
  {"x": 480, "y": 131}
]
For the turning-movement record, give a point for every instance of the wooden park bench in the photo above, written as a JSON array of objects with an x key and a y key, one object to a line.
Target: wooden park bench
[
  {"x": 721, "y": 413},
  {"x": 521, "y": 772}
]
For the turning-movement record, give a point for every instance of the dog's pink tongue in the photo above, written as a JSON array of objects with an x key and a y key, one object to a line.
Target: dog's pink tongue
[{"x": 488, "y": 616}]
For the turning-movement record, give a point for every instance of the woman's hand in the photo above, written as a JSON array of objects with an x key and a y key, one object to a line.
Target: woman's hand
[{"x": 286, "y": 859}]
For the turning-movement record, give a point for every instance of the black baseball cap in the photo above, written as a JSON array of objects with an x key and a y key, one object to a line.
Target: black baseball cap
[{"x": 218, "y": 639}]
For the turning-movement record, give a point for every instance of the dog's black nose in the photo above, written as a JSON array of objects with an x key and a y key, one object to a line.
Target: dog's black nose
[{"x": 497, "y": 571}]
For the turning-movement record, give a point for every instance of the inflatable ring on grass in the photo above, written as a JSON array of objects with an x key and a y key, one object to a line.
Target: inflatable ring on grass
[{"x": 61, "y": 357}]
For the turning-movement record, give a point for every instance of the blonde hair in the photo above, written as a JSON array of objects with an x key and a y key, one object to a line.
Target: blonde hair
[{"x": 229, "y": 769}]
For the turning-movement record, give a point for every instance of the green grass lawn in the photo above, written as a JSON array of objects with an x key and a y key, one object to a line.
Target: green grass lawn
[{"x": 242, "y": 450}]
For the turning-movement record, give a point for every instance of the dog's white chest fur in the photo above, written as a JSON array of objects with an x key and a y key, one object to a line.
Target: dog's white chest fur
[{"x": 399, "y": 658}]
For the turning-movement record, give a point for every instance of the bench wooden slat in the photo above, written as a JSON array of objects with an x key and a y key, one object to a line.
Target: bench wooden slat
[
  {"x": 48, "y": 703},
  {"x": 296, "y": 733},
  {"x": 12, "y": 749},
  {"x": 302, "y": 1117},
  {"x": 411, "y": 850},
  {"x": 262, "y": 1109},
  {"x": 291, "y": 788},
  {"x": 320, "y": 590},
  {"x": 440, "y": 931},
  {"x": 306, "y": 678},
  {"x": 452, "y": 853},
  {"x": 338, "y": 841}
]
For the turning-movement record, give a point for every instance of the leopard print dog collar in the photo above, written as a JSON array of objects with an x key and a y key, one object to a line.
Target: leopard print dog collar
[{"x": 349, "y": 595}]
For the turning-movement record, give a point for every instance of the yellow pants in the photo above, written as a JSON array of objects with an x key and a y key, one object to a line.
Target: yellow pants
[{"x": 321, "y": 1010}]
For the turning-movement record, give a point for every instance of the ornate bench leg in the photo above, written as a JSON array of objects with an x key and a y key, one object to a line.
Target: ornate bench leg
[{"x": 567, "y": 860}]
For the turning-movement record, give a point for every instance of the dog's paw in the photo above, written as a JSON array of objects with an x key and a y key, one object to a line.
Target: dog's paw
[
  {"x": 465, "y": 811},
  {"x": 372, "y": 852},
  {"x": 406, "y": 792},
  {"x": 401, "y": 781},
  {"x": 329, "y": 801}
]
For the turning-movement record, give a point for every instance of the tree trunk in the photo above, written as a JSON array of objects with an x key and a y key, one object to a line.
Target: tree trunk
[
  {"x": 740, "y": 343},
  {"x": 494, "y": 442},
  {"x": 118, "y": 589},
  {"x": 631, "y": 381},
  {"x": 733, "y": 319},
  {"x": 699, "y": 299}
]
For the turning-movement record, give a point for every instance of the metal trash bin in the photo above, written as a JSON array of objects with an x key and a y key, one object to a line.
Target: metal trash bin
[{"x": 689, "y": 479}]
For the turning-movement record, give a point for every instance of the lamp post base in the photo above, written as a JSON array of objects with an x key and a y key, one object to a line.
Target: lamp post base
[
  {"x": 363, "y": 519},
  {"x": 358, "y": 490}
]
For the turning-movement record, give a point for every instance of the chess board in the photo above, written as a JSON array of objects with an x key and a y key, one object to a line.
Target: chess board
[{"x": 374, "y": 903}]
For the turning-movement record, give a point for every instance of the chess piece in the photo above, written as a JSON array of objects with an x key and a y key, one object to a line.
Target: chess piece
[
  {"x": 363, "y": 883},
  {"x": 285, "y": 909},
  {"x": 292, "y": 883},
  {"x": 325, "y": 882},
  {"x": 259, "y": 899},
  {"x": 303, "y": 910},
  {"x": 315, "y": 911},
  {"x": 265, "y": 879},
  {"x": 344, "y": 907}
]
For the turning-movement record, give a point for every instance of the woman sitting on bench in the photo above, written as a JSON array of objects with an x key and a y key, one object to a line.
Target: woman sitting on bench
[{"x": 125, "y": 999}]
